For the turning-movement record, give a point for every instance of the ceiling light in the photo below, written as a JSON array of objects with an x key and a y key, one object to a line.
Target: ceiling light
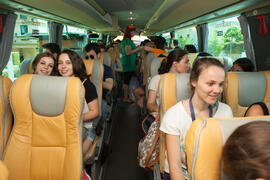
[{"x": 130, "y": 12}]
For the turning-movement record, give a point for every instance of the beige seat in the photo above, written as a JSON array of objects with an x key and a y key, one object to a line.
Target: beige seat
[
  {"x": 3, "y": 171},
  {"x": 173, "y": 88},
  {"x": 241, "y": 89},
  {"x": 46, "y": 139},
  {"x": 204, "y": 141},
  {"x": 26, "y": 66},
  {"x": 95, "y": 69},
  {"x": 5, "y": 111}
]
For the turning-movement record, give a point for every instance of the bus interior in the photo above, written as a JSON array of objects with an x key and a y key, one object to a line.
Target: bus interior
[{"x": 228, "y": 30}]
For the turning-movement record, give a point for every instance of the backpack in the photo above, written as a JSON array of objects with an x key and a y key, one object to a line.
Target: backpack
[{"x": 148, "y": 149}]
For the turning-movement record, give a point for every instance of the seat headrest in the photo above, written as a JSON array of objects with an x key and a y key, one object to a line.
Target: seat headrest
[
  {"x": 173, "y": 88},
  {"x": 252, "y": 87},
  {"x": 204, "y": 142},
  {"x": 48, "y": 94},
  {"x": 155, "y": 66},
  {"x": 241, "y": 89}
]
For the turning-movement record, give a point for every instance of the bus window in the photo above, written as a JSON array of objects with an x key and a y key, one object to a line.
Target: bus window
[
  {"x": 225, "y": 38},
  {"x": 187, "y": 36},
  {"x": 74, "y": 38},
  {"x": 29, "y": 34}
]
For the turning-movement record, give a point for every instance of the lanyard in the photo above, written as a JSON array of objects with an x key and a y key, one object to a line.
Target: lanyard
[{"x": 192, "y": 110}]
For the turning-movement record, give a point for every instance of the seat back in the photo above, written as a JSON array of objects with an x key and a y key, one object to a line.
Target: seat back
[
  {"x": 241, "y": 89},
  {"x": 94, "y": 68},
  {"x": 173, "y": 88},
  {"x": 155, "y": 66},
  {"x": 26, "y": 66},
  {"x": 5, "y": 110},
  {"x": 46, "y": 139},
  {"x": 3, "y": 171},
  {"x": 108, "y": 58},
  {"x": 192, "y": 57},
  {"x": 204, "y": 142}
]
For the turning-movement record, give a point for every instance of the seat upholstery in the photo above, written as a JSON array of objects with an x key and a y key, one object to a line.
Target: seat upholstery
[
  {"x": 26, "y": 66},
  {"x": 192, "y": 57},
  {"x": 173, "y": 88},
  {"x": 241, "y": 89},
  {"x": 5, "y": 110},
  {"x": 94, "y": 68},
  {"x": 3, "y": 171},
  {"x": 46, "y": 139},
  {"x": 204, "y": 141},
  {"x": 155, "y": 66}
]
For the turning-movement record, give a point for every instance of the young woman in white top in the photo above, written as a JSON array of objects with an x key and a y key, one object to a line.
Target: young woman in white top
[
  {"x": 206, "y": 79},
  {"x": 176, "y": 62}
]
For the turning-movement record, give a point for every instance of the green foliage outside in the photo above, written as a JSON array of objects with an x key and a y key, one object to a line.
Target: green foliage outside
[
  {"x": 215, "y": 46},
  {"x": 230, "y": 43},
  {"x": 182, "y": 41}
]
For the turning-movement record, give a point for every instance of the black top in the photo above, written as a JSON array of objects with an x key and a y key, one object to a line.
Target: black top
[
  {"x": 90, "y": 91},
  {"x": 262, "y": 105}
]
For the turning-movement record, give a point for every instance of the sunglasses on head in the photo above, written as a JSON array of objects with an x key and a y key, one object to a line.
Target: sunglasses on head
[{"x": 91, "y": 57}]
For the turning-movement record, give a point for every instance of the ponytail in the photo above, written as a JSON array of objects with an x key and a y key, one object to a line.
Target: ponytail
[{"x": 167, "y": 63}]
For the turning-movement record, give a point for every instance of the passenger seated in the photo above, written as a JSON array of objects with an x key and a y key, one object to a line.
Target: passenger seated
[
  {"x": 44, "y": 64},
  {"x": 190, "y": 48},
  {"x": 246, "y": 154},
  {"x": 70, "y": 64},
  {"x": 52, "y": 48},
  {"x": 176, "y": 62},
  {"x": 206, "y": 79},
  {"x": 258, "y": 109},
  {"x": 92, "y": 51},
  {"x": 243, "y": 65}
]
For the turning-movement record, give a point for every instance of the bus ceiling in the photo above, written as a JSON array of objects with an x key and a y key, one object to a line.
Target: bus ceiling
[{"x": 150, "y": 17}]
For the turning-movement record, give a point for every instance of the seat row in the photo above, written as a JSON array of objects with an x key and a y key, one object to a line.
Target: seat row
[{"x": 206, "y": 137}]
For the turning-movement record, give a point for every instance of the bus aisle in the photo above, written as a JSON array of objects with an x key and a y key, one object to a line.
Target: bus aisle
[{"x": 122, "y": 162}]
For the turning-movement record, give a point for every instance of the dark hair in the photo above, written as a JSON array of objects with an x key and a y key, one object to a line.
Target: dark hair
[
  {"x": 53, "y": 47},
  {"x": 200, "y": 65},
  {"x": 128, "y": 31},
  {"x": 175, "y": 42},
  {"x": 175, "y": 55},
  {"x": 245, "y": 64},
  {"x": 159, "y": 42},
  {"x": 39, "y": 57},
  {"x": 203, "y": 54},
  {"x": 78, "y": 66},
  {"x": 246, "y": 154},
  {"x": 118, "y": 41},
  {"x": 190, "y": 48},
  {"x": 92, "y": 46}
]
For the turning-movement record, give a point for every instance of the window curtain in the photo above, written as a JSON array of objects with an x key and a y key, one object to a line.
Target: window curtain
[
  {"x": 6, "y": 41},
  {"x": 55, "y": 33},
  {"x": 247, "y": 38},
  {"x": 202, "y": 34}
]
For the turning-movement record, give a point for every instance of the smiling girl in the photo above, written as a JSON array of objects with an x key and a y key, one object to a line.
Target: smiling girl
[
  {"x": 70, "y": 64},
  {"x": 206, "y": 79},
  {"x": 44, "y": 64}
]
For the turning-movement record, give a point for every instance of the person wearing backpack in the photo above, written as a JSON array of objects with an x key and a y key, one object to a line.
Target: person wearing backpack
[{"x": 206, "y": 79}]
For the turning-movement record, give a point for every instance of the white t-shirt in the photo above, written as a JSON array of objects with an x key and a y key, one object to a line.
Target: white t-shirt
[
  {"x": 177, "y": 121},
  {"x": 153, "y": 85}
]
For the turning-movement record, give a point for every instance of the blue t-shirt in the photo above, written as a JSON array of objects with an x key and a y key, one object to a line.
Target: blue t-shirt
[{"x": 106, "y": 74}]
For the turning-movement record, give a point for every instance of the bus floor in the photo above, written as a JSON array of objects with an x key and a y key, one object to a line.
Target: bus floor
[{"x": 122, "y": 163}]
